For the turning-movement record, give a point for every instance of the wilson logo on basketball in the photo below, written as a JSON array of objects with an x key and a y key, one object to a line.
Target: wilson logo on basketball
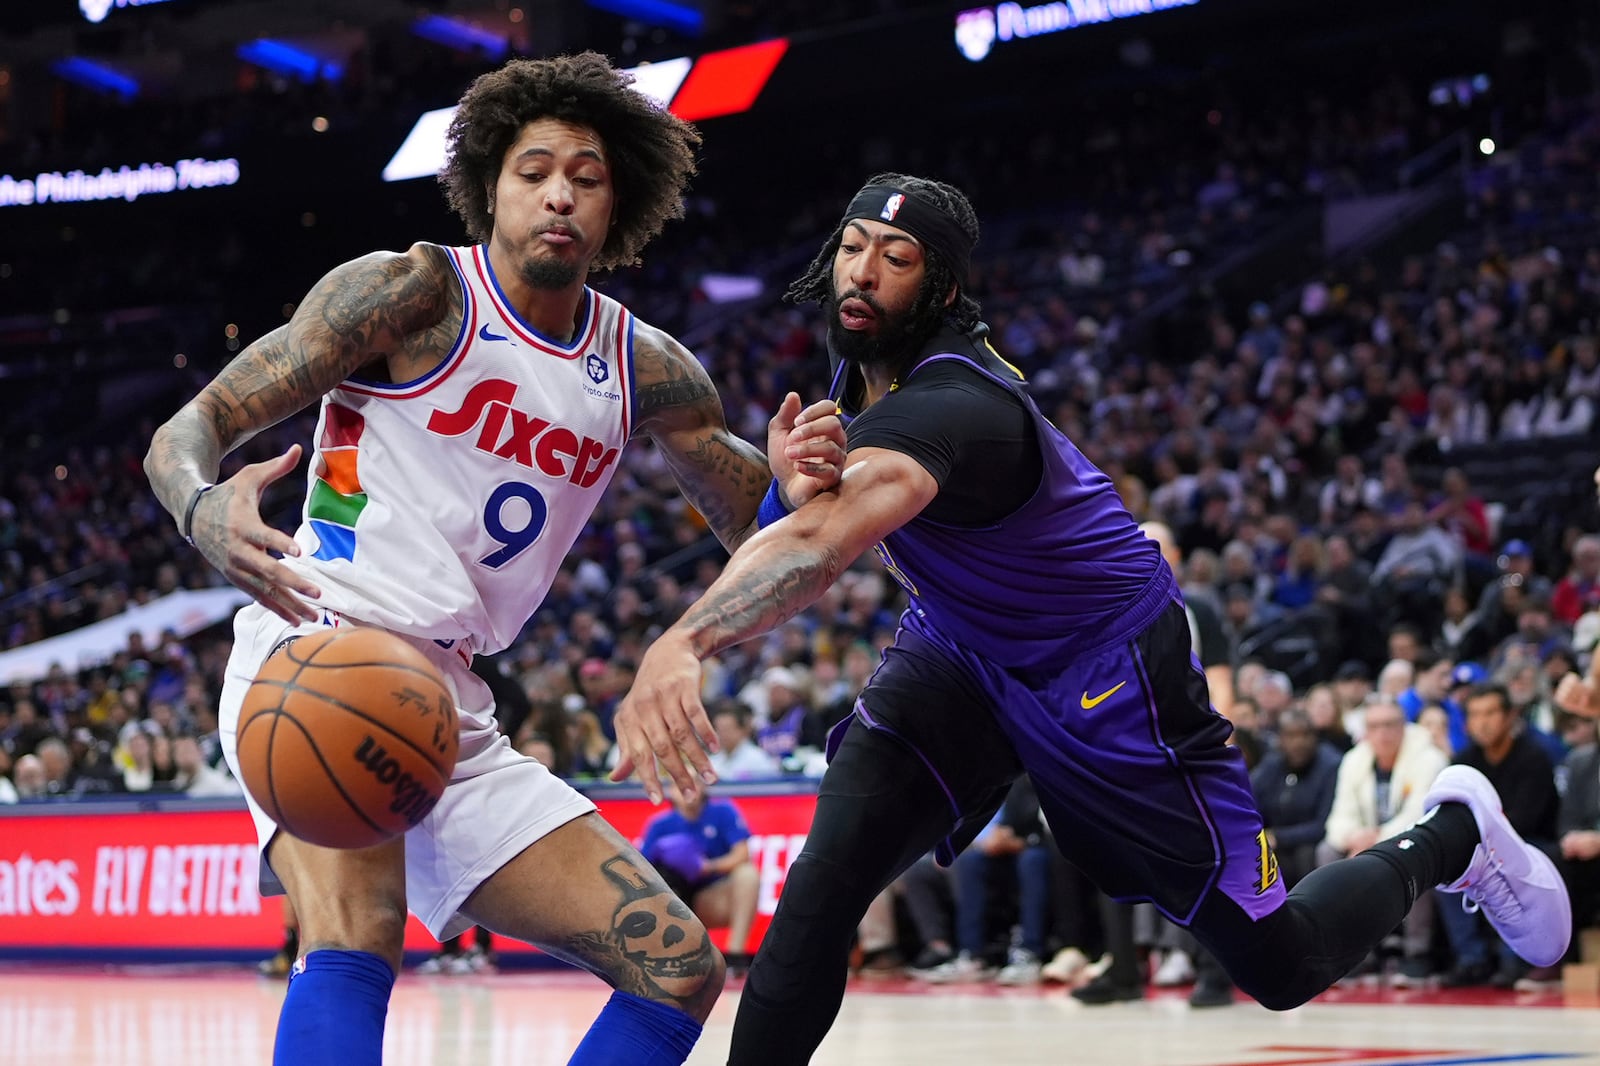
[
  {"x": 521, "y": 437},
  {"x": 412, "y": 799}
]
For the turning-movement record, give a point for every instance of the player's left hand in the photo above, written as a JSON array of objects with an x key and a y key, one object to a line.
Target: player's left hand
[
  {"x": 662, "y": 719},
  {"x": 805, "y": 448}
]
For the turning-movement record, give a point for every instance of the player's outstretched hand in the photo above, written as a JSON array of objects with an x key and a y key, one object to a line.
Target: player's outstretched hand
[
  {"x": 1577, "y": 696},
  {"x": 662, "y": 719},
  {"x": 229, "y": 532},
  {"x": 805, "y": 448}
]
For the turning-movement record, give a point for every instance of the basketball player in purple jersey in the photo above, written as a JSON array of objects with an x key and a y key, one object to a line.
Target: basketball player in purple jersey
[
  {"x": 473, "y": 403},
  {"x": 1045, "y": 634}
]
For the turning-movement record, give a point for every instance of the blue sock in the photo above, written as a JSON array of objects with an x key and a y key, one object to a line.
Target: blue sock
[
  {"x": 639, "y": 1032},
  {"x": 333, "y": 1014}
]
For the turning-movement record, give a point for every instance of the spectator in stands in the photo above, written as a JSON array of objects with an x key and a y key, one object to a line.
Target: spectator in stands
[
  {"x": 1460, "y": 635},
  {"x": 162, "y": 767},
  {"x": 591, "y": 748},
  {"x": 1379, "y": 792},
  {"x": 27, "y": 774},
  {"x": 1578, "y": 824},
  {"x": 1417, "y": 566},
  {"x": 194, "y": 777},
  {"x": 702, "y": 848},
  {"x": 1395, "y": 678},
  {"x": 1516, "y": 567},
  {"x": 1321, "y": 708},
  {"x": 1352, "y": 684},
  {"x": 1579, "y": 591},
  {"x": 1013, "y": 841},
  {"x": 1525, "y": 779},
  {"x": 26, "y": 730},
  {"x": 1347, "y": 581},
  {"x": 1294, "y": 786},
  {"x": 1302, "y": 576},
  {"x": 1460, "y": 512},
  {"x": 535, "y": 745},
  {"x": 1208, "y": 632},
  {"x": 738, "y": 756},
  {"x": 1349, "y": 490},
  {"x": 1430, "y": 687},
  {"x": 1396, "y": 490},
  {"x": 1273, "y": 694},
  {"x": 95, "y": 771},
  {"x": 138, "y": 770},
  {"x": 56, "y": 759},
  {"x": 1406, "y": 642},
  {"x": 787, "y": 708}
]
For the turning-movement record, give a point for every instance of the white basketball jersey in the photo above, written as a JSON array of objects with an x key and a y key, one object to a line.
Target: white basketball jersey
[{"x": 442, "y": 507}]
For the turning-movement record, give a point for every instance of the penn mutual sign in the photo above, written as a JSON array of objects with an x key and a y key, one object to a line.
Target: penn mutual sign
[{"x": 979, "y": 29}]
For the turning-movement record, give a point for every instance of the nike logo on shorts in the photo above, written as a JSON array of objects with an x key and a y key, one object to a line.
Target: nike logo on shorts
[{"x": 1091, "y": 702}]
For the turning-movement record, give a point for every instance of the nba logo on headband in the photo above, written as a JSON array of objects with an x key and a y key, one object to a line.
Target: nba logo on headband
[{"x": 891, "y": 207}]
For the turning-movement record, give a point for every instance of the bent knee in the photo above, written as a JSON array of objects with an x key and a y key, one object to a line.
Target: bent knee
[
  {"x": 1277, "y": 998},
  {"x": 1277, "y": 983},
  {"x": 695, "y": 987}
]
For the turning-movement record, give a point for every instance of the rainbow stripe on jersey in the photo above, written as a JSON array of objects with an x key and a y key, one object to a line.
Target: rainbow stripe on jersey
[{"x": 337, "y": 500}]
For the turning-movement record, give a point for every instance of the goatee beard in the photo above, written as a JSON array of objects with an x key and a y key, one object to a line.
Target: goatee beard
[
  {"x": 898, "y": 337},
  {"x": 548, "y": 273}
]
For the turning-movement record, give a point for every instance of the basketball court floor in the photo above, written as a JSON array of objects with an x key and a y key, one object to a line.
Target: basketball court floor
[{"x": 173, "y": 1016}]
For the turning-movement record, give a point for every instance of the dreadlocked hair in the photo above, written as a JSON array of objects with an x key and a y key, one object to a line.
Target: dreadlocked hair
[
  {"x": 816, "y": 284},
  {"x": 649, "y": 149}
]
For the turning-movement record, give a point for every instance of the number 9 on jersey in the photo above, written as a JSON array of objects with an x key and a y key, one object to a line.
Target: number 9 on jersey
[{"x": 516, "y": 526}]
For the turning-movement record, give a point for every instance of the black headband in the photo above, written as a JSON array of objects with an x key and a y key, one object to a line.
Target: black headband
[{"x": 923, "y": 219}]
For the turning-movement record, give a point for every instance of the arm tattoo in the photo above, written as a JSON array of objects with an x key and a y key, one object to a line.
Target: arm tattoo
[
  {"x": 655, "y": 947},
  {"x": 380, "y": 306},
  {"x": 763, "y": 587},
  {"x": 723, "y": 476}
]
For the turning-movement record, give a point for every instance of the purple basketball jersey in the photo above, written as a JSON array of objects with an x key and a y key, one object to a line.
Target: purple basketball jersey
[{"x": 1067, "y": 571}]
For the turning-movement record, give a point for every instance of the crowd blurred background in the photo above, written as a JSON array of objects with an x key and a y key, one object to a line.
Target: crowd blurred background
[{"x": 1322, "y": 299}]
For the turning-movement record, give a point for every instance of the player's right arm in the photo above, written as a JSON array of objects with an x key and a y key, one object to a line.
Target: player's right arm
[{"x": 384, "y": 306}]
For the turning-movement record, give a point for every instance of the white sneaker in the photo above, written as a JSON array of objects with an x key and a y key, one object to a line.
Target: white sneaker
[
  {"x": 1513, "y": 883},
  {"x": 433, "y": 965},
  {"x": 1067, "y": 964},
  {"x": 1176, "y": 969},
  {"x": 1022, "y": 968},
  {"x": 1095, "y": 969},
  {"x": 958, "y": 970}
]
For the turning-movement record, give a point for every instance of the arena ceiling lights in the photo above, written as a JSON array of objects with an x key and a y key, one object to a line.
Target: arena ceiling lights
[
  {"x": 716, "y": 84},
  {"x": 97, "y": 10}
]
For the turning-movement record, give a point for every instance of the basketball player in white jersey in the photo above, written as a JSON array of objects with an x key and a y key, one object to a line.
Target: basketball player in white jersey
[{"x": 473, "y": 403}]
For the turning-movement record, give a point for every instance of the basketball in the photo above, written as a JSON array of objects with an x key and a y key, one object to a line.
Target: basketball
[{"x": 347, "y": 737}]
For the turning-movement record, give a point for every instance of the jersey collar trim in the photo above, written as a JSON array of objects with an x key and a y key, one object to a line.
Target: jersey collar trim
[{"x": 525, "y": 332}]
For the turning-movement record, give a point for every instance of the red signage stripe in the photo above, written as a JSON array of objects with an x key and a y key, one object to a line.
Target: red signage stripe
[{"x": 727, "y": 82}]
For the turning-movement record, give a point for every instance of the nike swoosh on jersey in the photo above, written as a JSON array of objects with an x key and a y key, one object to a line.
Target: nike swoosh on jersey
[
  {"x": 1090, "y": 703},
  {"x": 486, "y": 335}
]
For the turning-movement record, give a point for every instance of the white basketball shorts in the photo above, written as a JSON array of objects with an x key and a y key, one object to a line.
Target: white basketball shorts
[{"x": 497, "y": 803}]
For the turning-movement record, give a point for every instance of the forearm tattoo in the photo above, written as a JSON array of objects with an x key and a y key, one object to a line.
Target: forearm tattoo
[{"x": 757, "y": 593}]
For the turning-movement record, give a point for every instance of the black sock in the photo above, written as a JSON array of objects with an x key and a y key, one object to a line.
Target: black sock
[
  {"x": 1337, "y": 913},
  {"x": 1435, "y": 851}
]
